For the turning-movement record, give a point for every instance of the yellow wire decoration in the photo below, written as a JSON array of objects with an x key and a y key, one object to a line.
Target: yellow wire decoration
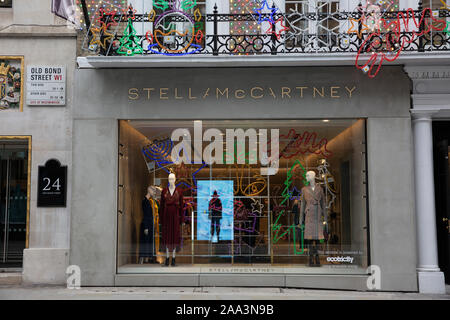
[
  {"x": 151, "y": 15},
  {"x": 326, "y": 176},
  {"x": 252, "y": 189}
]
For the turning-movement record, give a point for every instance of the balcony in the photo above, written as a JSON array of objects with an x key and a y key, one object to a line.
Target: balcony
[{"x": 317, "y": 36}]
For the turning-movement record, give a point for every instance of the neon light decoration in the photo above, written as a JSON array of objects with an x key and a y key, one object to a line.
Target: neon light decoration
[
  {"x": 260, "y": 12},
  {"x": 277, "y": 227},
  {"x": 129, "y": 43},
  {"x": 394, "y": 40},
  {"x": 165, "y": 32},
  {"x": 161, "y": 4},
  {"x": 277, "y": 33},
  {"x": 93, "y": 5},
  {"x": 252, "y": 189},
  {"x": 188, "y": 4},
  {"x": 160, "y": 151},
  {"x": 305, "y": 142}
]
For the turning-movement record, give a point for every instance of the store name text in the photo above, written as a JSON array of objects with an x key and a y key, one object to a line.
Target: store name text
[{"x": 298, "y": 92}]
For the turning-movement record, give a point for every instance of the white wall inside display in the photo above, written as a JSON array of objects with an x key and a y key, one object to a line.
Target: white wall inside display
[{"x": 46, "y": 85}]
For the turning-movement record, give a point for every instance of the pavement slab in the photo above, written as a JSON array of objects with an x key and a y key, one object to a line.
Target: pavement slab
[{"x": 22, "y": 292}]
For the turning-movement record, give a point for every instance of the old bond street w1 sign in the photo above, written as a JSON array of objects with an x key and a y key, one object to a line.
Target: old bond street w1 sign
[{"x": 46, "y": 85}]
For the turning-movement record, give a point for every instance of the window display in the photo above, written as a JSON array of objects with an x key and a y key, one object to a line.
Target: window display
[{"x": 280, "y": 193}]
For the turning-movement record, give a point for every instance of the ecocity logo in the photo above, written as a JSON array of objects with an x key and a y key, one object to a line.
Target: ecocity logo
[
  {"x": 214, "y": 152},
  {"x": 340, "y": 259}
]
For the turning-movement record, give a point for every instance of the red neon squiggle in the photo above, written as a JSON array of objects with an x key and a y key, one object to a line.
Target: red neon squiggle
[
  {"x": 395, "y": 38},
  {"x": 303, "y": 143}
]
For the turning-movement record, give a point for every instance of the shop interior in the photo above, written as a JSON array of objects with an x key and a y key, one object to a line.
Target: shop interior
[{"x": 260, "y": 215}]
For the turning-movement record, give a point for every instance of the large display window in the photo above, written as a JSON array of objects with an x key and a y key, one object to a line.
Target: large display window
[{"x": 278, "y": 193}]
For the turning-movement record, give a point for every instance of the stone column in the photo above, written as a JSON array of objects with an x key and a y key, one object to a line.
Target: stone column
[{"x": 431, "y": 279}]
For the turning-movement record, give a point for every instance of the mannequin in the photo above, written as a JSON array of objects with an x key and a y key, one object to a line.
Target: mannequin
[
  {"x": 146, "y": 253},
  {"x": 312, "y": 211},
  {"x": 171, "y": 218}
]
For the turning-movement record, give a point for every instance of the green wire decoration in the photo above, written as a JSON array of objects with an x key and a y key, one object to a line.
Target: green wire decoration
[
  {"x": 276, "y": 227},
  {"x": 129, "y": 44},
  {"x": 188, "y": 4},
  {"x": 161, "y": 4}
]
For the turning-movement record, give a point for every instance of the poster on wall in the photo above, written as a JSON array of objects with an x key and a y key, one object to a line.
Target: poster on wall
[
  {"x": 215, "y": 210},
  {"x": 11, "y": 83}
]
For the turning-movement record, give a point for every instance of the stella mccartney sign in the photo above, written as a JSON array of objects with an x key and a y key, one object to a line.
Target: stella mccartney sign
[{"x": 256, "y": 92}]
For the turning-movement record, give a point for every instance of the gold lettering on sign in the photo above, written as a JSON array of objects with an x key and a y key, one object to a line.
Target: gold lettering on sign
[
  {"x": 190, "y": 95},
  {"x": 301, "y": 90},
  {"x": 253, "y": 95},
  {"x": 285, "y": 91},
  {"x": 221, "y": 92},
  {"x": 322, "y": 94},
  {"x": 206, "y": 93},
  {"x": 163, "y": 93},
  {"x": 239, "y": 96},
  {"x": 272, "y": 93},
  {"x": 333, "y": 92},
  {"x": 148, "y": 92},
  {"x": 133, "y": 91},
  {"x": 176, "y": 94},
  {"x": 350, "y": 91}
]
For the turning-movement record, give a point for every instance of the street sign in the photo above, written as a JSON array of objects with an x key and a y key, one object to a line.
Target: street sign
[{"x": 46, "y": 85}]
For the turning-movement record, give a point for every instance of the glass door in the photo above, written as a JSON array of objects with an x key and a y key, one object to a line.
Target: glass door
[{"x": 13, "y": 201}]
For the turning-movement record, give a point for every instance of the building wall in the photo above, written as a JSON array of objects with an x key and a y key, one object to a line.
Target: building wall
[
  {"x": 46, "y": 258},
  {"x": 384, "y": 101}
]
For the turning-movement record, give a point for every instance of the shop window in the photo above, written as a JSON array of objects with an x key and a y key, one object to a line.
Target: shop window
[
  {"x": 273, "y": 193},
  {"x": 5, "y": 3}
]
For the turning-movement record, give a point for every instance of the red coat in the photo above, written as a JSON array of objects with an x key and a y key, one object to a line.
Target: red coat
[{"x": 171, "y": 217}]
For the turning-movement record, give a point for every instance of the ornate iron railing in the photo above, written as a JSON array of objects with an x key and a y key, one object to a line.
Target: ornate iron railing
[{"x": 416, "y": 30}]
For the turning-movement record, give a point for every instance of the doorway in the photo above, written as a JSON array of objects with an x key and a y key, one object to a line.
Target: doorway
[
  {"x": 14, "y": 196},
  {"x": 441, "y": 137}
]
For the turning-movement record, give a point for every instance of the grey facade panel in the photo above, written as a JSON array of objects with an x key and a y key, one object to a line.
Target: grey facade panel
[
  {"x": 155, "y": 280},
  {"x": 103, "y": 97},
  {"x": 105, "y": 93},
  {"x": 242, "y": 280},
  {"x": 94, "y": 204},
  {"x": 391, "y": 202}
]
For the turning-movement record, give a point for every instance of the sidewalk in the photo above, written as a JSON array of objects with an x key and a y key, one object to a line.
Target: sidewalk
[{"x": 15, "y": 292}]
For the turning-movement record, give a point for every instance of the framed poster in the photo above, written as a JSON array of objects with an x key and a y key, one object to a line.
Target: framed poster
[{"x": 11, "y": 83}]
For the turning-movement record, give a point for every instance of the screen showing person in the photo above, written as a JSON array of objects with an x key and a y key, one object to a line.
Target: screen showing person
[{"x": 215, "y": 210}]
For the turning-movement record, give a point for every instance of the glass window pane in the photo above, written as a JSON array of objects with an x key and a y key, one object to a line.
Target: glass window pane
[{"x": 279, "y": 193}]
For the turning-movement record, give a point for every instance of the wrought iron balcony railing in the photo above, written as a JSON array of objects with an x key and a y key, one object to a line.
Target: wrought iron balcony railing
[{"x": 178, "y": 33}]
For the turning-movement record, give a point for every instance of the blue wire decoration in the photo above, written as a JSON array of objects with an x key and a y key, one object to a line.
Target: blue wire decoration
[{"x": 260, "y": 13}]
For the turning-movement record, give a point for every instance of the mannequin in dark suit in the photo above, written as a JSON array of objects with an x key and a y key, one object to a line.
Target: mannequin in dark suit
[{"x": 146, "y": 252}]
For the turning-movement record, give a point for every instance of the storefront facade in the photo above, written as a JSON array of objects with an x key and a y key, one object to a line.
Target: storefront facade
[{"x": 353, "y": 132}]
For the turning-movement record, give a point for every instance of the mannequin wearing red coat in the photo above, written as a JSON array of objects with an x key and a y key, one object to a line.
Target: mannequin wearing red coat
[{"x": 171, "y": 217}]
